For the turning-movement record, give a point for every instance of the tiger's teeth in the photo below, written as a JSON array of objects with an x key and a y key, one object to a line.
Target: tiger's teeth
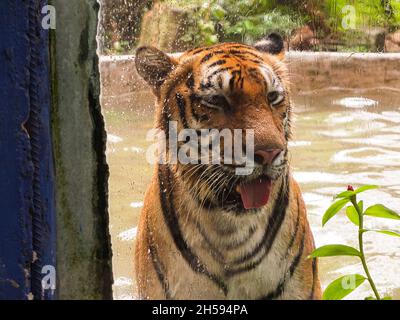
[{"x": 237, "y": 189}]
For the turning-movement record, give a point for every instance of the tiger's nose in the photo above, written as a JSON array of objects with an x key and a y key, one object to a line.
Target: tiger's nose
[{"x": 266, "y": 156}]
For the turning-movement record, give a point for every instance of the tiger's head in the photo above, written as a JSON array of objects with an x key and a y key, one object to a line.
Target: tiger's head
[{"x": 227, "y": 86}]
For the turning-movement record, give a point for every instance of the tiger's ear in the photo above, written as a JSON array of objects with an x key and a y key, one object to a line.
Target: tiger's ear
[
  {"x": 272, "y": 44},
  {"x": 153, "y": 66}
]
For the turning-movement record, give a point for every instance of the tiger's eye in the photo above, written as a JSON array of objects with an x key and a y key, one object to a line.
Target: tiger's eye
[
  {"x": 272, "y": 96},
  {"x": 218, "y": 101}
]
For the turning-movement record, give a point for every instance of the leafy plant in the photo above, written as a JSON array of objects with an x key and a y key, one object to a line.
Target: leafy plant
[
  {"x": 246, "y": 21},
  {"x": 355, "y": 212},
  {"x": 369, "y": 13}
]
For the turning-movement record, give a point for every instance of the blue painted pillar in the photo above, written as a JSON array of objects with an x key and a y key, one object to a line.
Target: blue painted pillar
[{"x": 27, "y": 217}]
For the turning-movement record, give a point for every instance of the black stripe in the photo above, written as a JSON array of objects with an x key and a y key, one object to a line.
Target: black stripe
[
  {"x": 241, "y": 57},
  {"x": 287, "y": 132},
  {"x": 232, "y": 81},
  {"x": 158, "y": 266},
  {"x": 194, "y": 99},
  {"x": 246, "y": 58},
  {"x": 217, "y": 63},
  {"x": 239, "y": 243},
  {"x": 166, "y": 114},
  {"x": 255, "y": 61},
  {"x": 314, "y": 270},
  {"x": 281, "y": 285},
  {"x": 239, "y": 45},
  {"x": 213, "y": 250},
  {"x": 207, "y": 57},
  {"x": 218, "y": 71},
  {"x": 205, "y": 86},
  {"x": 171, "y": 220},
  {"x": 296, "y": 230},
  {"x": 256, "y": 75},
  {"x": 297, "y": 258},
  {"x": 274, "y": 294},
  {"x": 166, "y": 117},
  {"x": 210, "y": 55},
  {"x": 182, "y": 109},
  {"x": 220, "y": 83},
  {"x": 230, "y": 272},
  {"x": 244, "y": 52},
  {"x": 196, "y": 51},
  {"x": 190, "y": 81}
]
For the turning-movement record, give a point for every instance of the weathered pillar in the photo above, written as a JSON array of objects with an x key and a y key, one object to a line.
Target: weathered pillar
[{"x": 79, "y": 139}]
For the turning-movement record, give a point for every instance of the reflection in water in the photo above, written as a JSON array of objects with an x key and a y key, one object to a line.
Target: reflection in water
[
  {"x": 356, "y": 102},
  {"x": 381, "y": 157},
  {"x": 128, "y": 235},
  {"x": 136, "y": 204},
  {"x": 340, "y": 138},
  {"x": 113, "y": 138}
]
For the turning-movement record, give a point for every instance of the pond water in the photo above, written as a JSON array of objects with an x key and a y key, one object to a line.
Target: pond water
[{"x": 340, "y": 137}]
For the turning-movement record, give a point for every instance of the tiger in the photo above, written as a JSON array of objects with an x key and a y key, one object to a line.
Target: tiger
[{"x": 206, "y": 232}]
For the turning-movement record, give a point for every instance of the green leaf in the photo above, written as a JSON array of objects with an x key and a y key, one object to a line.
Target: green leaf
[
  {"x": 349, "y": 193},
  {"x": 380, "y": 211},
  {"x": 365, "y": 188},
  {"x": 333, "y": 209},
  {"x": 345, "y": 194},
  {"x": 211, "y": 39},
  {"x": 332, "y": 250},
  {"x": 248, "y": 25},
  {"x": 370, "y": 298},
  {"x": 387, "y": 298},
  {"x": 352, "y": 214},
  {"x": 387, "y": 232},
  {"x": 342, "y": 286},
  {"x": 218, "y": 12}
]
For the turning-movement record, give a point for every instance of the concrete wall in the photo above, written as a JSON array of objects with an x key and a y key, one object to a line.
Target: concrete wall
[
  {"x": 83, "y": 242},
  {"x": 314, "y": 71},
  {"x": 309, "y": 71}
]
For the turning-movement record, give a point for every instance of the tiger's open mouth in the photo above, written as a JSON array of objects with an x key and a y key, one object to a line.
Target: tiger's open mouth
[
  {"x": 255, "y": 193},
  {"x": 251, "y": 193},
  {"x": 245, "y": 195},
  {"x": 217, "y": 187}
]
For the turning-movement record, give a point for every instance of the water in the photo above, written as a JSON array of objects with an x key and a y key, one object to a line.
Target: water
[{"x": 340, "y": 138}]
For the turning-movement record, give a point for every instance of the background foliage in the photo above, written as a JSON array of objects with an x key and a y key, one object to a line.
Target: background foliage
[{"x": 211, "y": 21}]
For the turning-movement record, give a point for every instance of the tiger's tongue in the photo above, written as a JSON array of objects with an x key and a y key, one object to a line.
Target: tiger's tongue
[{"x": 255, "y": 194}]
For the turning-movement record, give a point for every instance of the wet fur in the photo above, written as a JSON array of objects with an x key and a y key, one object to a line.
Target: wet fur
[{"x": 191, "y": 246}]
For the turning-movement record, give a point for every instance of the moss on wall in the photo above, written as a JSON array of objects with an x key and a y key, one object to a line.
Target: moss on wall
[{"x": 79, "y": 139}]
